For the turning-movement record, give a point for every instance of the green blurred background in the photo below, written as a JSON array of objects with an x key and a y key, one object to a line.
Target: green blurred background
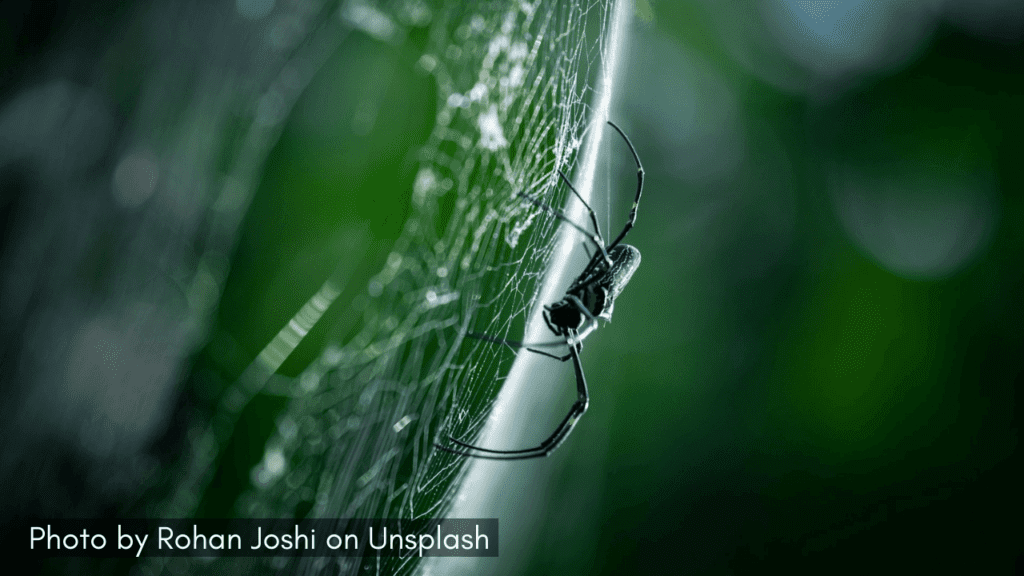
[{"x": 815, "y": 368}]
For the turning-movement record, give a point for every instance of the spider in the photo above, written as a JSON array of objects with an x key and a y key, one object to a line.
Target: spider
[{"x": 590, "y": 297}]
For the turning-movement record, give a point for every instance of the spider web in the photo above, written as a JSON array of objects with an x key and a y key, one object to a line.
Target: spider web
[{"x": 356, "y": 436}]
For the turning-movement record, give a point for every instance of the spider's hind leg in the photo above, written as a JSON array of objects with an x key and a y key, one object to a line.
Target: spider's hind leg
[{"x": 550, "y": 443}]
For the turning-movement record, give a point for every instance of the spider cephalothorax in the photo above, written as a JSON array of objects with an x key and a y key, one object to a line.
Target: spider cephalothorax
[{"x": 591, "y": 296}]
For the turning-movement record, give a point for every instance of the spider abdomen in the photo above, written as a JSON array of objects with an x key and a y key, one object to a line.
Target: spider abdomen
[
  {"x": 608, "y": 281},
  {"x": 625, "y": 260},
  {"x": 593, "y": 293}
]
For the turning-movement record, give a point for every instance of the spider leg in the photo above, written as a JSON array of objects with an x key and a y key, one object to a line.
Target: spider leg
[
  {"x": 639, "y": 188},
  {"x": 589, "y": 327},
  {"x": 550, "y": 355},
  {"x": 579, "y": 304},
  {"x": 593, "y": 217},
  {"x": 595, "y": 238},
  {"x": 515, "y": 344},
  {"x": 547, "y": 320},
  {"x": 589, "y": 324},
  {"x": 553, "y": 441}
]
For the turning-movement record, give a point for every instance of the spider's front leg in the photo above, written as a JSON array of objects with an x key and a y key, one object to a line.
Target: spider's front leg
[
  {"x": 590, "y": 323},
  {"x": 595, "y": 238}
]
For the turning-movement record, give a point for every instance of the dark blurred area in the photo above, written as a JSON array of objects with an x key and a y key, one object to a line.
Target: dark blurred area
[{"x": 814, "y": 370}]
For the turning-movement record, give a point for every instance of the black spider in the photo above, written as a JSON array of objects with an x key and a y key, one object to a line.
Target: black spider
[{"x": 590, "y": 297}]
